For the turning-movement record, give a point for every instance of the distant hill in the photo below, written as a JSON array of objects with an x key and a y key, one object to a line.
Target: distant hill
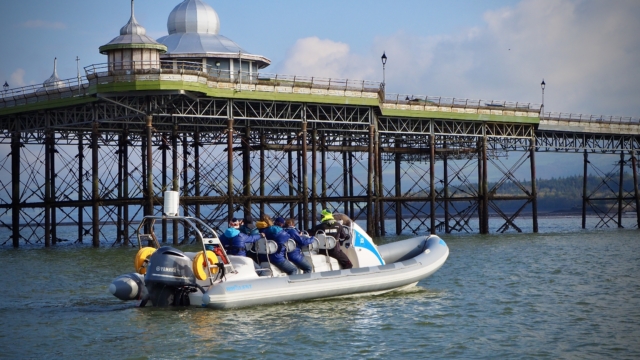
[
  {"x": 564, "y": 194},
  {"x": 560, "y": 195}
]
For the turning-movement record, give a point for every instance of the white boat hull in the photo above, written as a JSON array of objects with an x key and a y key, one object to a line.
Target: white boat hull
[{"x": 356, "y": 281}]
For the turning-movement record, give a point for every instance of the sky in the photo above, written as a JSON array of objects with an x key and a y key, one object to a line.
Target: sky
[{"x": 587, "y": 51}]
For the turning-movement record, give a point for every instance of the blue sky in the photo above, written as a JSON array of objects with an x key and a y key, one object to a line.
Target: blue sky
[{"x": 587, "y": 51}]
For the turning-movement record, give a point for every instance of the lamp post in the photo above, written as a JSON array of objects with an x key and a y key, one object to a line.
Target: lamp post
[
  {"x": 542, "y": 85},
  {"x": 384, "y": 83}
]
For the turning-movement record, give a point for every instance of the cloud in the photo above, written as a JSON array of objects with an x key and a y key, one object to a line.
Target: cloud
[
  {"x": 40, "y": 24},
  {"x": 586, "y": 51},
  {"x": 16, "y": 79},
  {"x": 323, "y": 58}
]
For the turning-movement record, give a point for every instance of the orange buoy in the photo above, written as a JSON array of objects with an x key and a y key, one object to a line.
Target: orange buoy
[
  {"x": 142, "y": 255},
  {"x": 200, "y": 265}
]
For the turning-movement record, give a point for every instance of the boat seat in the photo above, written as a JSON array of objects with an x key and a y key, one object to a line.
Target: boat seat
[
  {"x": 265, "y": 247},
  {"x": 323, "y": 263},
  {"x": 290, "y": 245},
  {"x": 311, "y": 248},
  {"x": 325, "y": 242}
]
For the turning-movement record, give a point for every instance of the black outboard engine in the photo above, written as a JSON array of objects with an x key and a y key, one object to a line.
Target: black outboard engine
[{"x": 169, "y": 278}]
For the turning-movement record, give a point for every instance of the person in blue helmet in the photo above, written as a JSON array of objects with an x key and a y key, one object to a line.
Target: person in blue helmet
[
  {"x": 235, "y": 242},
  {"x": 332, "y": 228},
  {"x": 296, "y": 256},
  {"x": 277, "y": 234}
]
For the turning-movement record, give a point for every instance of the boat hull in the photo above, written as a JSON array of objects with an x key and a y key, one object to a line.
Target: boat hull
[{"x": 416, "y": 259}]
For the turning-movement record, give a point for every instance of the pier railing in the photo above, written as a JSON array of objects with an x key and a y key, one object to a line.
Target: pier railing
[
  {"x": 258, "y": 81},
  {"x": 236, "y": 77},
  {"x": 558, "y": 116},
  {"x": 439, "y": 101},
  {"x": 31, "y": 94}
]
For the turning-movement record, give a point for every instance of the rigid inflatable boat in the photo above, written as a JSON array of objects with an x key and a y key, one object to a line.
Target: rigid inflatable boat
[{"x": 166, "y": 276}]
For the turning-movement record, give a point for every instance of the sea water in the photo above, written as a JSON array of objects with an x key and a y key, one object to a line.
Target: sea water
[{"x": 561, "y": 293}]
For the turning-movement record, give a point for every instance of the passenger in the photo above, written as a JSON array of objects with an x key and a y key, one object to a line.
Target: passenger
[
  {"x": 264, "y": 222},
  {"x": 247, "y": 226},
  {"x": 237, "y": 241},
  {"x": 296, "y": 256},
  {"x": 277, "y": 234},
  {"x": 332, "y": 228}
]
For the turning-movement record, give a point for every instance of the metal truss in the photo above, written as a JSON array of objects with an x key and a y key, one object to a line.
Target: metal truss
[
  {"x": 577, "y": 142},
  {"x": 86, "y": 165}
]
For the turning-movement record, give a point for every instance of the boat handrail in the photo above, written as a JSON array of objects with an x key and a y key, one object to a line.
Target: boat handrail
[{"x": 194, "y": 223}]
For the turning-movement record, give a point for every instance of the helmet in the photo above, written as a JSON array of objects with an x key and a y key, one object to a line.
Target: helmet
[{"x": 326, "y": 215}]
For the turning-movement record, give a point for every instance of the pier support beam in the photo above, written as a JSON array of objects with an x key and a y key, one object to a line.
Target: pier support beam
[
  {"x": 351, "y": 190},
  {"x": 196, "y": 168},
  {"x": 246, "y": 171},
  {"x": 445, "y": 170},
  {"x": 534, "y": 189},
  {"x": 370, "y": 210},
  {"x": 125, "y": 184},
  {"x": 432, "y": 181},
  {"x": 175, "y": 182},
  {"x": 345, "y": 178},
  {"x": 95, "y": 189},
  {"x": 149, "y": 155},
  {"x": 485, "y": 187},
  {"x": 52, "y": 191},
  {"x": 323, "y": 154},
  {"x": 290, "y": 178},
  {"x": 80, "y": 186},
  {"x": 398, "y": 175},
  {"x": 47, "y": 188},
  {"x": 621, "y": 190},
  {"x": 15, "y": 186},
  {"x": 480, "y": 187},
  {"x": 584, "y": 191},
  {"x": 314, "y": 174},
  {"x": 164, "y": 147},
  {"x": 380, "y": 185},
  {"x": 263, "y": 143},
  {"x": 230, "y": 168},
  {"x": 636, "y": 194},
  {"x": 185, "y": 181},
  {"x": 305, "y": 180}
]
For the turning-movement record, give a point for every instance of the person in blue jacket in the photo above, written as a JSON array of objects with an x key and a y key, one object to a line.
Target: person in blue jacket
[
  {"x": 247, "y": 226},
  {"x": 235, "y": 242},
  {"x": 296, "y": 256},
  {"x": 277, "y": 234}
]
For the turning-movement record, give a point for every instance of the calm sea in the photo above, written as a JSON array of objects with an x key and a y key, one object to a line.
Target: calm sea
[{"x": 562, "y": 293}]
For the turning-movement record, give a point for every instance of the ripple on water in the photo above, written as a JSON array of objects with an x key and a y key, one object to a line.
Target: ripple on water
[{"x": 562, "y": 295}]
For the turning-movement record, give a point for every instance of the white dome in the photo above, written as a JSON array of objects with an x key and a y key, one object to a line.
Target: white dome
[{"x": 193, "y": 16}]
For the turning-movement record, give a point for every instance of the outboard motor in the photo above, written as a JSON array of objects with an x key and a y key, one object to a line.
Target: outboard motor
[{"x": 169, "y": 278}]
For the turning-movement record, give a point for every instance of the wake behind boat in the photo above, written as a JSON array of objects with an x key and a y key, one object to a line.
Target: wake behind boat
[{"x": 166, "y": 276}]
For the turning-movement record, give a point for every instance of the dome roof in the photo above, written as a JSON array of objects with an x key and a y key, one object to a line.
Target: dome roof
[
  {"x": 193, "y": 16},
  {"x": 193, "y": 28},
  {"x": 132, "y": 35},
  {"x": 53, "y": 82}
]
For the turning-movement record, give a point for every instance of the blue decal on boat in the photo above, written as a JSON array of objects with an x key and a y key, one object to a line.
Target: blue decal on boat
[
  {"x": 363, "y": 242},
  {"x": 442, "y": 243},
  {"x": 238, "y": 287}
]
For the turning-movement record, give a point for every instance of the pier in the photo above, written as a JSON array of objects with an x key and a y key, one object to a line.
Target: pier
[{"x": 97, "y": 152}]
